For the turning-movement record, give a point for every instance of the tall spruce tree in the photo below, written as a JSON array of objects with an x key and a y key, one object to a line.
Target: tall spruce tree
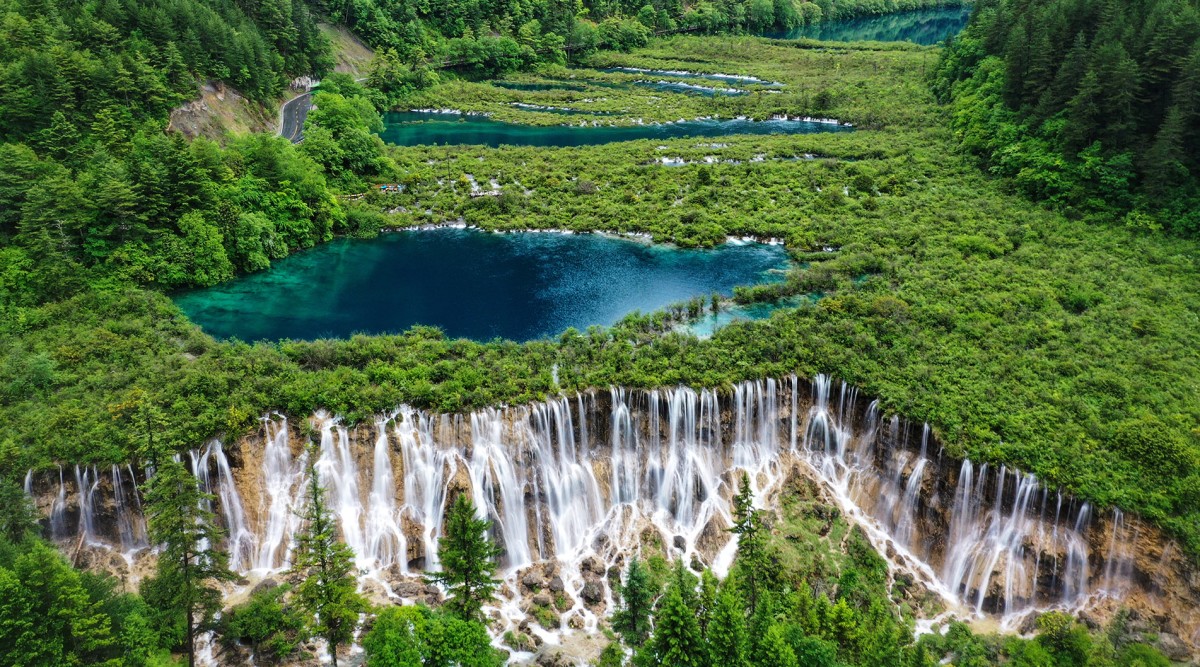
[
  {"x": 727, "y": 631},
  {"x": 677, "y": 641},
  {"x": 329, "y": 593},
  {"x": 468, "y": 561},
  {"x": 191, "y": 563},
  {"x": 632, "y": 620},
  {"x": 751, "y": 550}
]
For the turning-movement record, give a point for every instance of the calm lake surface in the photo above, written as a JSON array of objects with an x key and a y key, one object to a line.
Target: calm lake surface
[
  {"x": 922, "y": 26},
  {"x": 471, "y": 284},
  {"x": 409, "y": 128}
]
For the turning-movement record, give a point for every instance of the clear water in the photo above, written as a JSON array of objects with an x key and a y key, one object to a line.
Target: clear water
[
  {"x": 409, "y": 128},
  {"x": 470, "y": 284},
  {"x": 922, "y": 26},
  {"x": 707, "y": 325}
]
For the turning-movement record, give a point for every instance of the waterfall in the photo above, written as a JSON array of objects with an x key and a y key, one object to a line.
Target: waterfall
[
  {"x": 385, "y": 542},
  {"x": 428, "y": 469},
  {"x": 338, "y": 473},
  {"x": 240, "y": 540},
  {"x": 131, "y": 528},
  {"x": 585, "y": 480},
  {"x": 58, "y": 511},
  {"x": 283, "y": 483},
  {"x": 86, "y": 481}
]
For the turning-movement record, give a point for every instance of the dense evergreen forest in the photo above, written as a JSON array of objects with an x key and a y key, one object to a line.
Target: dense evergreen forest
[{"x": 1093, "y": 106}]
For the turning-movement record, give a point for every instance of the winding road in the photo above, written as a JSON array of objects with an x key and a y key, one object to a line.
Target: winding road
[{"x": 292, "y": 115}]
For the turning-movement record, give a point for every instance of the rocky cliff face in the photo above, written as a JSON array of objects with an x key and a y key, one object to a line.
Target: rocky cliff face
[{"x": 575, "y": 484}]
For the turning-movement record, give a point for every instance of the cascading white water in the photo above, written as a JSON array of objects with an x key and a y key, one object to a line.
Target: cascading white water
[
  {"x": 131, "y": 528},
  {"x": 590, "y": 476},
  {"x": 338, "y": 473},
  {"x": 86, "y": 482},
  {"x": 240, "y": 540},
  {"x": 385, "y": 541},
  {"x": 283, "y": 481}
]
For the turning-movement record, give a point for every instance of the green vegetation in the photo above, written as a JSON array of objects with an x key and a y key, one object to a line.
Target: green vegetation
[
  {"x": 53, "y": 614},
  {"x": 1091, "y": 106},
  {"x": 416, "y": 636},
  {"x": 271, "y": 625},
  {"x": 468, "y": 561},
  {"x": 492, "y": 40},
  {"x": 328, "y": 594},
  {"x": 69, "y": 68}
]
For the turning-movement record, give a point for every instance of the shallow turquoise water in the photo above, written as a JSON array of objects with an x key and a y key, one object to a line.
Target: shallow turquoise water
[
  {"x": 922, "y": 26},
  {"x": 408, "y": 128},
  {"x": 470, "y": 284}
]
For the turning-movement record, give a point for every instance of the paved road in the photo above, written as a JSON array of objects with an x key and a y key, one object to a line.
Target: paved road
[{"x": 293, "y": 113}]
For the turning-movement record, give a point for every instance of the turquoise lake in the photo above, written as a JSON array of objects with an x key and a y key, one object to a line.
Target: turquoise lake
[
  {"x": 470, "y": 284},
  {"x": 922, "y": 26},
  {"x": 412, "y": 128}
]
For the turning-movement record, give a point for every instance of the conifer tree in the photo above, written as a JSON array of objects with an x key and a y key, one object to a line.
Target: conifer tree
[
  {"x": 727, "y": 631},
  {"x": 637, "y": 601},
  {"x": 761, "y": 620},
  {"x": 751, "y": 551},
  {"x": 677, "y": 641},
  {"x": 707, "y": 601},
  {"x": 776, "y": 652},
  {"x": 190, "y": 564},
  {"x": 329, "y": 592},
  {"x": 468, "y": 561}
]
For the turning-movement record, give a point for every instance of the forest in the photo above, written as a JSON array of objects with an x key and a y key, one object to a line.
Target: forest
[{"x": 1093, "y": 107}]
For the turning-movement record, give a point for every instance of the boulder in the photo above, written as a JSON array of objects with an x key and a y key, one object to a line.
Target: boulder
[
  {"x": 264, "y": 585},
  {"x": 593, "y": 592},
  {"x": 533, "y": 580},
  {"x": 408, "y": 589},
  {"x": 556, "y": 584}
]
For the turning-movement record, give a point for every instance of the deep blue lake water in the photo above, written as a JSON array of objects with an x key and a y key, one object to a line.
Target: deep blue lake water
[
  {"x": 470, "y": 284},
  {"x": 922, "y": 26},
  {"x": 408, "y": 128}
]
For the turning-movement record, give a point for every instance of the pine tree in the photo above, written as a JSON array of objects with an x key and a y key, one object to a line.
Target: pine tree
[
  {"x": 190, "y": 565},
  {"x": 761, "y": 620},
  {"x": 468, "y": 560},
  {"x": 329, "y": 592},
  {"x": 707, "y": 602},
  {"x": 727, "y": 631},
  {"x": 751, "y": 551},
  {"x": 776, "y": 652},
  {"x": 676, "y": 641},
  {"x": 637, "y": 601}
]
